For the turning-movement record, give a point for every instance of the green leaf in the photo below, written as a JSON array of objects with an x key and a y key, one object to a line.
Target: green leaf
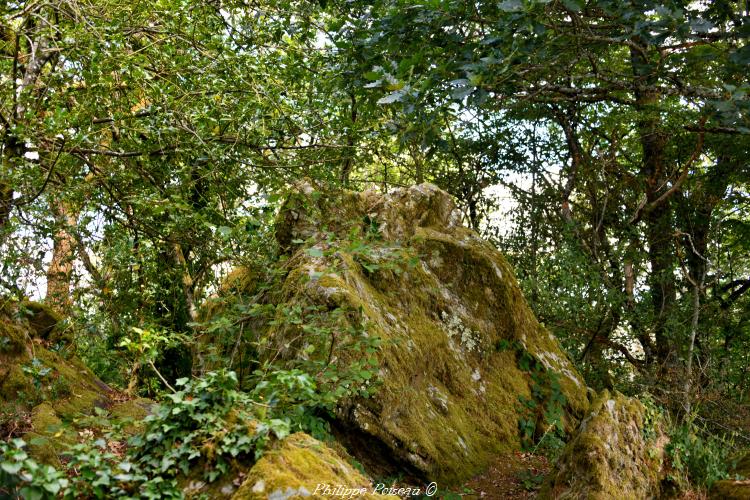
[
  {"x": 392, "y": 97},
  {"x": 573, "y": 5},
  {"x": 11, "y": 467},
  {"x": 31, "y": 493},
  {"x": 314, "y": 252}
]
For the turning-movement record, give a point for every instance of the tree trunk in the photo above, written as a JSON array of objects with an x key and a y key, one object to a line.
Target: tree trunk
[
  {"x": 60, "y": 270},
  {"x": 6, "y": 203},
  {"x": 346, "y": 167},
  {"x": 658, "y": 219}
]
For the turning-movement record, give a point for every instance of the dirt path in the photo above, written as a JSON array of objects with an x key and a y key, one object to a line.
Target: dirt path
[{"x": 512, "y": 476}]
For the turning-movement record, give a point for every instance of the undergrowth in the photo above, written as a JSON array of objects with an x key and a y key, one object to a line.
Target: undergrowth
[{"x": 202, "y": 430}]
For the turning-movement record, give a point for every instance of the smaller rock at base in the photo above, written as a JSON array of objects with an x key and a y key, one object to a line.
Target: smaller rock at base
[{"x": 301, "y": 466}]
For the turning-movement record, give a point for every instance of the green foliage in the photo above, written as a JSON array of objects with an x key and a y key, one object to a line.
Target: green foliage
[
  {"x": 651, "y": 417},
  {"x": 37, "y": 371},
  {"x": 207, "y": 420},
  {"x": 91, "y": 472},
  {"x": 531, "y": 480},
  {"x": 148, "y": 343},
  {"x": 541, "y": 421},
  {"x": 101, "y": 474},
  {"x": 201, "y": 429},
  {"x": 697, "y": 457},
  {"x": 153, "y": 140},
  {"x": 22, "y": 475},
  {"x": 147, "y": 346}
]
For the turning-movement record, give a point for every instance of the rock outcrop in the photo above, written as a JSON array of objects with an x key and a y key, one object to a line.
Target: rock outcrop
[
  {"x": 456, "y": 337},
  {"x": 301, "y": 466},
  {"x": 618, "y": 452},
  {"x": 44, "y": 387}
]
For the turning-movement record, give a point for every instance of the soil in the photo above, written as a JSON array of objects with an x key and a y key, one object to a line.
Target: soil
[{"x": 515, "y": 476}]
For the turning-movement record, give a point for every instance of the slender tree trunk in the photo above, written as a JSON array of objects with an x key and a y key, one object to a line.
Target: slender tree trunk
[
  {"x": 695, "y": 214},
  {"x": 697, "y": 286},
  {"x": 60, "y": 270},
  {"x": 6, "y": 203},
  {"x": 346, "y": 168},
  {"x": 11, "y": 151},
  {"x": 187, "y": 282}
]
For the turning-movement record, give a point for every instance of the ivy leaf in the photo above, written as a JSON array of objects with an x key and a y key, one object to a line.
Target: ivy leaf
[
  {"x": 11, "y": 467},
  {"x": 314, "y": 252}
]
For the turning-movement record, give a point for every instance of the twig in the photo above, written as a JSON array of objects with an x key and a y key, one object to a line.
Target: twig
[{"x": 158, "y": 373}]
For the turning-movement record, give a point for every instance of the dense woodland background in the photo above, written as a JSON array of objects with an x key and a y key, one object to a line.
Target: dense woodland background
[{"x": 602, "y": 145}]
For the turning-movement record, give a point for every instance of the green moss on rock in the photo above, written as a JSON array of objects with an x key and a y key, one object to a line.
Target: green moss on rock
[
  {"x": 44, "y": 449},
  {"x": 86, "y": 391},
  {"x": 728, "y": 489},
  {"x": 300, "y": 466},
  {"x": 135, "y": 409},
  {"x": 44, "y": 419},
  {"x": 64, "y": 392},
  {"x": 43, "y": 319},
  {"x": 49, "y": 436},
  {"x": 132, "y": 413},
  {"x": 612, "y": 456},
  {"x": 14, "y": 383},
  {"x": 13, "y": 338},
  {"x": 734, "y": 489}
]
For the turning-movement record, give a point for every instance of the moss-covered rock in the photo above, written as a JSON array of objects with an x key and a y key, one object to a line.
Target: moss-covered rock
[
  {"x": 47, "y": 390},
  {"x": 734, "y": 489},
  {"x": 444, "y": 304},
  {"x": 300, "y": 466},
  {"x": 44, "y": 419},
  {"x": 43, "y": 319},
  {"x": 135, "y": 409},
  {"x": 44, "y": 449},
  {"x": 131, "y": 413},
  {"x": 618, "y": 452},
  {"x": 729, "y": 489}
]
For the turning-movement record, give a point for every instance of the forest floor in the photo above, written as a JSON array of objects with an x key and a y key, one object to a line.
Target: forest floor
[{"x": 514, "y": 475}]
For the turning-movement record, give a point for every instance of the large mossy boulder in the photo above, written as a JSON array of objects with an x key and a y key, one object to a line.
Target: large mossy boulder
[
  {"x": 457, "y": 339},
  {"x": 618, "y": 452},
  {"x": 43, "y": 386},
  {"x": 301, "y": 466}
]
